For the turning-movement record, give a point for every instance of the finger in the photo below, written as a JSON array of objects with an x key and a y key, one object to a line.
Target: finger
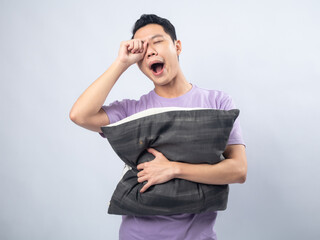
[
  {"x": 145, "y": 187},
  {"x": 145, "y": 45},
  {"x": 142, "y": 179},
  {"x": 140, "y": 46},
  {"x": 153, "y": 151},
  {"x": 130, "y": 46},
  {"x": 140, "y": 174},
  {"x": 135, "y": 46},
  {"x": 141, "y": 166}
]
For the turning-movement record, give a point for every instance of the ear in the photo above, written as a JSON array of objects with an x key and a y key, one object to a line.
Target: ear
[{"x": 178, "y": 47}]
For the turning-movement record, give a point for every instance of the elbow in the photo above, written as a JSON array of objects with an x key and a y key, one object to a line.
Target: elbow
[
  {"x": 75, "y": 118},
  {"x": 242, "y": 176},
  {"x": 242, "y": 179},
  {"x": 72, "y": 116}
]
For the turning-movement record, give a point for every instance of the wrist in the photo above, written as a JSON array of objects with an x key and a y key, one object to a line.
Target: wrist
[
  {"x": 122, "y": 64},
  {"x": 176, "y": 169}
]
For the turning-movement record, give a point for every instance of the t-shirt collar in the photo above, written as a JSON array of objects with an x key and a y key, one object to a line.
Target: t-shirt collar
[{"x": 180, "y": 98}]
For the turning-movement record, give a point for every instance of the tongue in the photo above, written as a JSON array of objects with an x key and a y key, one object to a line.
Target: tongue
[{"x": 158, "y": 68}]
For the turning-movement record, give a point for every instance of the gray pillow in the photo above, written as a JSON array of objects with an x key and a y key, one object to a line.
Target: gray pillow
[{"x": 182, "y": 134}]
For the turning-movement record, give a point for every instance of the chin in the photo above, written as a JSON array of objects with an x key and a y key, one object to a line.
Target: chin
[{"x": 159, "y": 82}]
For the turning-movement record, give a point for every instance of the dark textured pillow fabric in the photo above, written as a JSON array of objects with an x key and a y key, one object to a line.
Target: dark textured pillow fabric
[{"x": 182, "y": 134}]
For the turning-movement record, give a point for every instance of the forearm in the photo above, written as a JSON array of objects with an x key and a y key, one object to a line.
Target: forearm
[
  {"x": 160, "y": 170},
  {"x": 225, "y": 172},
  {"x": 91, "y": 100}
]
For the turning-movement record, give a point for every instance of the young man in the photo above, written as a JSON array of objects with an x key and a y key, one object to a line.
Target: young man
[{"x": 155, "y": 49}]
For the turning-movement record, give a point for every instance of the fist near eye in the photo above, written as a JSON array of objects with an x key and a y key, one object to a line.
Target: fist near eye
[{"x": 132, "y": 51}]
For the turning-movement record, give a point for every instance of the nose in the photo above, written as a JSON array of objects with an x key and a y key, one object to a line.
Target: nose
[{"x": 151, "y": 51}]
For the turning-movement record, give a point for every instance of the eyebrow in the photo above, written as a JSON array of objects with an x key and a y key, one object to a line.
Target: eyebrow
[{"x": 157, "y": 35}]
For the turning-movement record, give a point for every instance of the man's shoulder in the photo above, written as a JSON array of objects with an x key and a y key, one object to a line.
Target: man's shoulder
[
  {"x": 213, "y": 93},
  {"x": 146, "y": 96},
  {"x": 142, "y": 98}
]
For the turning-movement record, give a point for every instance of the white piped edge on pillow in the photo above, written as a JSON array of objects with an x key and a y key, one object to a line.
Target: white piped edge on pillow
[{"x": 152, "y": 111}]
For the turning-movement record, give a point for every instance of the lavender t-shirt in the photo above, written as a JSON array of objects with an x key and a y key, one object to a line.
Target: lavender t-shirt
[{"x": 182, "y": 226}]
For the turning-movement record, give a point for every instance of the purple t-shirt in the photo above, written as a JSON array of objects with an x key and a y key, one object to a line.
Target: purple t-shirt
[{"x": 182, "y": 226}]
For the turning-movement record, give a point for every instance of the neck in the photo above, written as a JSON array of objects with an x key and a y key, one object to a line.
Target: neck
[{"x": 175, "y": 88}]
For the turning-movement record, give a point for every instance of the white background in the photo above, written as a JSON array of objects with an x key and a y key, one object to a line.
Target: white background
[{"x": 57, "y": 178}]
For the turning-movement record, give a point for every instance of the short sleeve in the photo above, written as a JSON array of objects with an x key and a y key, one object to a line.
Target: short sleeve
[
  {"x": 236, "y": 132},
  {"x": 115, "y": 111}
]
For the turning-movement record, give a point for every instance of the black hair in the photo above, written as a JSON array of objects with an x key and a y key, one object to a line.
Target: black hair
[{"x": 146, "y": 19}]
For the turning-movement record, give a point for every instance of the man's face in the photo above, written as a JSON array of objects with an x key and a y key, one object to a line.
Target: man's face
[{"x": 160, "y": 62}]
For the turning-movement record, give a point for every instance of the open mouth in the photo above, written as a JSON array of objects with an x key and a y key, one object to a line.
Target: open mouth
[{"x": 157, "y": 68}]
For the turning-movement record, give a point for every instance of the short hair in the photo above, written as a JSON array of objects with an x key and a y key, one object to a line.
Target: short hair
[{"x": 146, "y": 19}]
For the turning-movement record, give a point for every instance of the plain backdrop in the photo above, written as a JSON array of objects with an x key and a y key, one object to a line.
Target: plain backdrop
[{"x": 57, "y": 178}]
